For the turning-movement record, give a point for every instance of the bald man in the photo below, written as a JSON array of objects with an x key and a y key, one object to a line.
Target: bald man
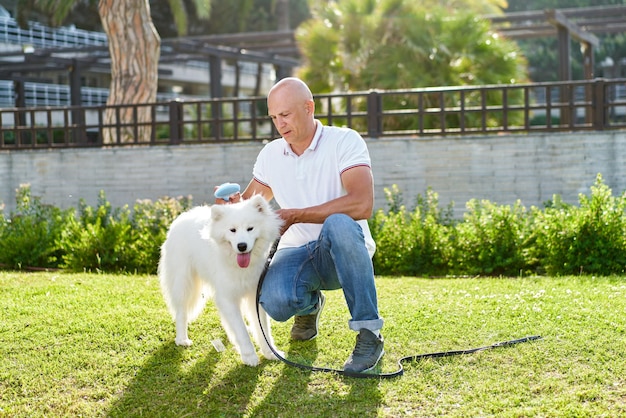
[{"x": 321, "y": 178}]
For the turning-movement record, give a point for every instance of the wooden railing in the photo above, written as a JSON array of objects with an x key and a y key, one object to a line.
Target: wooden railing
[{"x": 598, "y": 104}]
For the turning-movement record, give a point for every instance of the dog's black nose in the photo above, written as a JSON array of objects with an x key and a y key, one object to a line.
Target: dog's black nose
[{"x": 242, "y": 246}]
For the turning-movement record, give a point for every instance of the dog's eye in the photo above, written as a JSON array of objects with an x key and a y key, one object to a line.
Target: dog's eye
[
  {"x": 250, "y": 228},
  {"x": 233, "y": 230}
]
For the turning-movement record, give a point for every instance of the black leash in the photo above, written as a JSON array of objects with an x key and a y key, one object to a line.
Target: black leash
[{"x": 365, "y": 375}]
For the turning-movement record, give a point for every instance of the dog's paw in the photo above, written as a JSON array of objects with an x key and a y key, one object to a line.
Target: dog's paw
[
  {"x": 269, "y": 354},
  {"x": 250, "y": 359},
  {"x": 183, "y": 342}
]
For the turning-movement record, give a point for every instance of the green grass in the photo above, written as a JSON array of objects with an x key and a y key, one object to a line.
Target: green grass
[{"x": 102, "y": 345}]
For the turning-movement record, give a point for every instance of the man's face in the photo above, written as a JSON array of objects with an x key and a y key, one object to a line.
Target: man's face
[{"x": 291, "y": 115}]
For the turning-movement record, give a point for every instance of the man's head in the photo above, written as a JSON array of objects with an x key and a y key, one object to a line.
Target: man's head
[{"x": 290, "y": 105}]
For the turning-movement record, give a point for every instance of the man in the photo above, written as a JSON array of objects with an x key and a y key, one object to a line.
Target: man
[{"x": 321, "y": 178}]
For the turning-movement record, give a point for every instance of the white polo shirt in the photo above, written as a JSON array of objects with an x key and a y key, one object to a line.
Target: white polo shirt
[{"x": 312, "y": 178}]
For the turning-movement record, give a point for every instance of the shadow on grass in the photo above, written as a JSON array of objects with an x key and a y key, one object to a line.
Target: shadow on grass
[
  {"x": 308, "y": 397},
  {"x": 161, "y": 388}
]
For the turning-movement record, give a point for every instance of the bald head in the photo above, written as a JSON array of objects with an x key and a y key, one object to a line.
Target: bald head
[
  {"x": 292, "y": 109},
  {"x": 295, "y": 88}
]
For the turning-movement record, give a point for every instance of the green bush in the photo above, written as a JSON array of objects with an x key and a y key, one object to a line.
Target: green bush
[
  {"x": 118, "y": 240},
  {"x": 150, "y": 223},
  {"x": 29, "y": 236},
  {"x": 588, "y": 239},
  {"x": 99, "y": 239},
  {"x": 490, "y": 239},
  {"x": 411, "y": 243}
]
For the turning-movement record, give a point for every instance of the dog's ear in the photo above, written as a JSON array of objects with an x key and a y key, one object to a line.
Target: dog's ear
[
  {"x": 217, "y": 211},
  {"x": 260, "y": 203}
]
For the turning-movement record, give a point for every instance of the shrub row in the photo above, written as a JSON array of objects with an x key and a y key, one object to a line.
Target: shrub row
[
  {"x": 491, "y": 239},
  {"x": 101, "y": 238}
]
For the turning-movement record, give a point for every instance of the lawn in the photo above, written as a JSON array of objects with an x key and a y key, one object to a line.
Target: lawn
[{"x": 102, "y": 345}]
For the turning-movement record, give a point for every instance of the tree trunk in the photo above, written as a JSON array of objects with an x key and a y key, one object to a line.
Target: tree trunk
[
  {"x": 134, "y": 46},
  {"x": 282, "y": 12}
]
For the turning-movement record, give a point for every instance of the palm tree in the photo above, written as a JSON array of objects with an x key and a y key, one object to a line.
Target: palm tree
[
  {"x": 134, "y": 47},
  {"x": 399, "y": 44}
]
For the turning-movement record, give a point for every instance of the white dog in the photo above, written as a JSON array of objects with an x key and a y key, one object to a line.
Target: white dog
[{"x": 220, "y": 251}]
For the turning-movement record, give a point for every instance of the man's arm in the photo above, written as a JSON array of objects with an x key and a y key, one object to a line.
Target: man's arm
[{"x": 254, "y": 187}]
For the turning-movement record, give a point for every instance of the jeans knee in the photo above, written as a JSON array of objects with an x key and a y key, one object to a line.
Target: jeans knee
[
  {"x": 341, "y": 229},
  {"x": 340, "y": 224},
  {"x": 275, "y": 310},
  {"x": 277, "y": 302}
]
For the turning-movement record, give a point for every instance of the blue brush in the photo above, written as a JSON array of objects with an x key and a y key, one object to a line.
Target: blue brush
[{"x": 227, "y": 190}]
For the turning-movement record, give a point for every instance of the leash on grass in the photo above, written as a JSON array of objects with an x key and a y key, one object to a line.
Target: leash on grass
[{"x": 365, "y": 375}]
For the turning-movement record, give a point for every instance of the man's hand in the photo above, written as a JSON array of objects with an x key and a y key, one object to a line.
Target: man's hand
[
  {"x": 289, "y": 218},
  {"x": 227, "y": 193},
  {"x": 234, "y": 198}
]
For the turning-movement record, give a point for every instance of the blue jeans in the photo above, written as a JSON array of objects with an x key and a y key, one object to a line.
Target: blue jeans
[{"x": 337, "y": 260}]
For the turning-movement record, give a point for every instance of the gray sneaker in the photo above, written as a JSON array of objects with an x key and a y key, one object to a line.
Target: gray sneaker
[
  {"x": 305, "y": 326},
  {"x": 367, "y": 352}
]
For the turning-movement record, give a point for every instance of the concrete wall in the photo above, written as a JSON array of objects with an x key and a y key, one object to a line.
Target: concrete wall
[{"x": 500, "y": 168}]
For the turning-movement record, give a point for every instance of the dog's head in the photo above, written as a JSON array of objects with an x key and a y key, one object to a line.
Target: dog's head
[{"x": 249, "y": 227}]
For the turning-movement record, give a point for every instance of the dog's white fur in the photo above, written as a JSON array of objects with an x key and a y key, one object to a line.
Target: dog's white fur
[{"x": 199, "y": 258}]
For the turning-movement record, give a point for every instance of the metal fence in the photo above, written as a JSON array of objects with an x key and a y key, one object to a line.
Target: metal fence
[{"x": 598, "y": 104}]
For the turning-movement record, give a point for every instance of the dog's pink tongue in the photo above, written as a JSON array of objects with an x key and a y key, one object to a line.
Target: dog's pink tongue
[{"x": 243, "y": 260}]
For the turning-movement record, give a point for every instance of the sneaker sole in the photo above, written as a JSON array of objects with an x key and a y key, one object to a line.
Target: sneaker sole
[{"x": 322, "y": 300}]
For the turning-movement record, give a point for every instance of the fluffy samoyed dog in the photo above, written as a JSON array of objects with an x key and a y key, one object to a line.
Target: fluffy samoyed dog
[{"x": 219, "y": 252}]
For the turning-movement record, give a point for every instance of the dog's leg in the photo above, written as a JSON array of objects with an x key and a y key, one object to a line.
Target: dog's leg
[
  {"x": 265, "y": 348},
  {"x": 181, "y": 329},
  {"x": 235, "y": 327},
  {"x": 188, "y": 301},
  {"x": 249, "y": 305}
]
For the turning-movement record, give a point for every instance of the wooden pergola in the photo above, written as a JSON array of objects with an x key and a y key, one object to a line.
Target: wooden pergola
[{"x": 580, "y": 24}]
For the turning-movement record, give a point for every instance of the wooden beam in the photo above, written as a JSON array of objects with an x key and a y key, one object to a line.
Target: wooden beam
[
  {"x": 202, "y": 48},
  {"x": 565, "y": 69},
  {"x": 215, "y": 75},
  {"x": 237, "y": 38},
  {"x": 565, "y": 30},
  {"x": 559, "y": 20}
]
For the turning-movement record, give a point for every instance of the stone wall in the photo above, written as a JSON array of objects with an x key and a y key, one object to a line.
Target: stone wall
[{"x": 499, "y": 168}]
